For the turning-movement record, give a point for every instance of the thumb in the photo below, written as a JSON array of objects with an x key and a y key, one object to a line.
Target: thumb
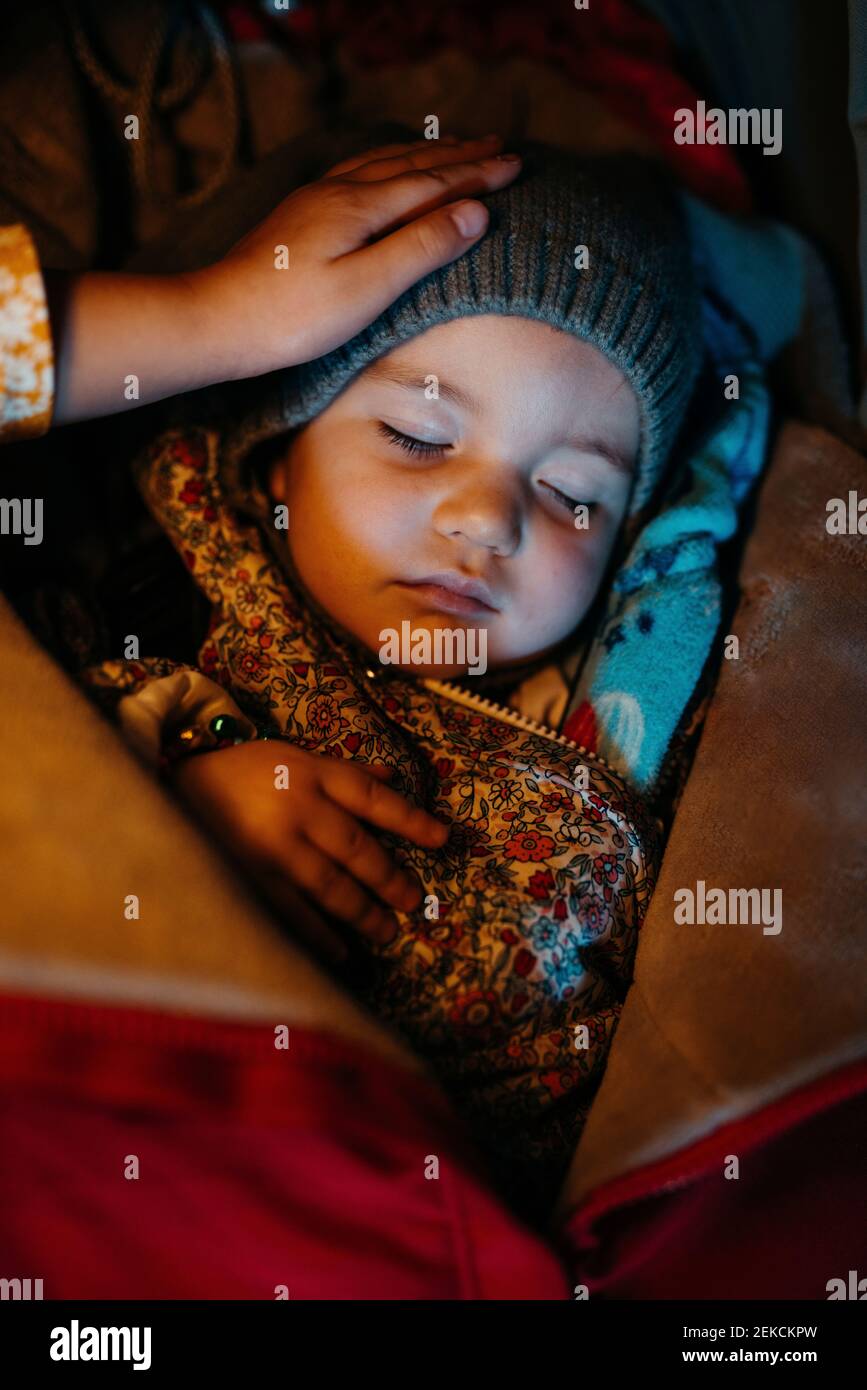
[{"x": 413, "y": 251}]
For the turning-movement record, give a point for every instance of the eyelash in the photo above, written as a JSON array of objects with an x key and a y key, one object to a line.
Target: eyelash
[
  {"x": 409, "y": 444},
  {"x": 419, "y": 448},
  {"x": 571, "y": 502}
]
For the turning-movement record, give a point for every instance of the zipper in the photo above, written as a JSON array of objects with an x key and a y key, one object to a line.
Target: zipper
[{"x": 511, "y": 716}]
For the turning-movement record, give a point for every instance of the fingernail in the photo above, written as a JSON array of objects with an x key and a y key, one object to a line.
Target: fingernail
[{"x": 469, "y": 218}]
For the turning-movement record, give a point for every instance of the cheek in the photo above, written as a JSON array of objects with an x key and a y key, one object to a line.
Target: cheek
[
  {"x": 558, "y": 582},
  {"x": 385, "y": 507},
  {"x": 342, "y": 505},
  {"x": 566, "y": 566}
]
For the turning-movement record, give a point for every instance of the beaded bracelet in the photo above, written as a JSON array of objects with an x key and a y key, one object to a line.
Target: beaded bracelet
[{"x": 223, "y": 731}]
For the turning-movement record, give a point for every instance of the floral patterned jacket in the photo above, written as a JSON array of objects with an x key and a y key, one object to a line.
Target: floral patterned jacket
[{"x": 511, "y": 977}]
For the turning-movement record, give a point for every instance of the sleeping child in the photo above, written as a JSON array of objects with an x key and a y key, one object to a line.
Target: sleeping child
[{"x": 405, "y": 547}]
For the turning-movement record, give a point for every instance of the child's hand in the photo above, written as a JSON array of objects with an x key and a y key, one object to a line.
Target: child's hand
[
  {"x": 245, "y": 315},
  {"x": 310, "y": 834},
  {"x": 334, "y": 282}
]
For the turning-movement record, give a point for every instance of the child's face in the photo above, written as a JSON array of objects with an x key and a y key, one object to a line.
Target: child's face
[{"x": 529, "y": 422}]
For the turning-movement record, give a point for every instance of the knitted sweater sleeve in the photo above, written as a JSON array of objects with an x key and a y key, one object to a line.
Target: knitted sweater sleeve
[{"x": 26, "y": 354}]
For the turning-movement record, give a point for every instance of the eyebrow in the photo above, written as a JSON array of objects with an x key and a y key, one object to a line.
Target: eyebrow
[
  {"x": 588, "y": 445},
  {"x": 409, "y": 377}
]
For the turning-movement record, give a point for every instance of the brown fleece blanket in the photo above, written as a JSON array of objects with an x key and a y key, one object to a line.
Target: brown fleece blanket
[{"x": 723, "y": 1018}]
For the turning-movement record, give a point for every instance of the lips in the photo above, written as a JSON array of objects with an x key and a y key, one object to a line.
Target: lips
[{"x": 453, "y": 592}]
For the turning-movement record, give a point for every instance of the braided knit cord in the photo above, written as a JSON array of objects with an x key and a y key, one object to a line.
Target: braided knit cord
[{"x": 145, "y": 97}]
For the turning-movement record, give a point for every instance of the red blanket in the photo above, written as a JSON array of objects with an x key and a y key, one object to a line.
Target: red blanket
[{"x": 613, "y": 49}]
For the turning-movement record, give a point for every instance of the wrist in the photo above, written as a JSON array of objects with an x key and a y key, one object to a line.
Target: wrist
[
  {"x": 179, "y": 714},
  {"x": 204, "y": 736},
  {"x": 206, "y": 319},
  {"x": 244, "y": 320},
  {"x": 233, "y": 339}
]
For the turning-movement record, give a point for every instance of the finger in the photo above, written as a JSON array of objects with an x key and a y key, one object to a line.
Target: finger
[
  {"x": 356, "y": 161},
  {"x": 391, "y": 265},
  {"x": 309, "y": 924},
  {"x": 431, "y": 154},
  {"x": 384, "y": 204},
  {"x": 338, "y": 892},
  {"x": 379, "y": 770},
  {"x": 335, "y": 831},
  {"x": 371, "y": 800}
]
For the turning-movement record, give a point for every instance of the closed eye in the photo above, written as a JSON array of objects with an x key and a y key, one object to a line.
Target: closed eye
[
  {"x": 409, "y": 444},
  {"x": 424, "y": 449},
  {"x": 570, "y": 502}
]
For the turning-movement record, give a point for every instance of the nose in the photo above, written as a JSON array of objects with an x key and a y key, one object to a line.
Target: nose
[{"x": 482, "y": 509}]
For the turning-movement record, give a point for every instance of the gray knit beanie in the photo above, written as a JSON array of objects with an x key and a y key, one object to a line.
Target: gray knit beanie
[{"x": 636, "y": 300}]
